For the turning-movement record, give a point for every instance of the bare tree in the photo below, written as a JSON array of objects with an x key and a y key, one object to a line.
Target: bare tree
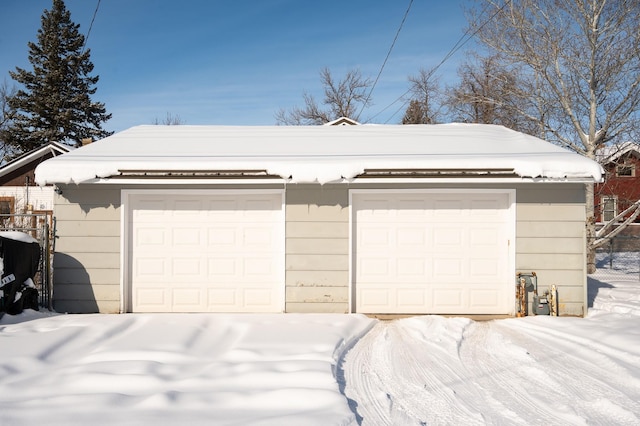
[
  {"x": 581, "y": 59},
  {"x": 490, "y": 93},
  {"x": 342, "y": 98},
  {"x": 169, "y": 120},
  {"x": 424, "y": 99}
]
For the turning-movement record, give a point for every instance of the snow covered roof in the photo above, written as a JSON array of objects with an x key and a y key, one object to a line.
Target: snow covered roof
[
  {"x": 342, "y": 121},
  {"x": 53, "y": 148},
  {"x": 612, "y": 153},
  {"x": 305, "y": 154}
]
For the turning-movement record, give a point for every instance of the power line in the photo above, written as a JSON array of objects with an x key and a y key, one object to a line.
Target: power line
[
  {"x": 404, "y": 18},
  {"x": 86, "y": 38},
  {"x": 457, "y": 46}
]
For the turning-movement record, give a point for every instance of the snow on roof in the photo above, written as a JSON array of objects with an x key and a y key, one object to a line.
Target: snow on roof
[
  {"x": 612, "y": 153},
  {"x": 54, "y": 148},
  {"x": 306, "y": 154}
]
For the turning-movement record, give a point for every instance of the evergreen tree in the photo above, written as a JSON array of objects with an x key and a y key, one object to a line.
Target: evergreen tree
[
  {"x": 54, "y": 102},
  {"x": 415, "y": 114}
]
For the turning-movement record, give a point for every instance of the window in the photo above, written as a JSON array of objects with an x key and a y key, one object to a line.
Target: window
[
  {"x": 609, "y": 207},
  {"x": 626, "y": 170},
  {"x": 7, "y": 207}
]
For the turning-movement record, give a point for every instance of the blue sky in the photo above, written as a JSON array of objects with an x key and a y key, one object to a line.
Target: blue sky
[{"x": 238, "y": 62}]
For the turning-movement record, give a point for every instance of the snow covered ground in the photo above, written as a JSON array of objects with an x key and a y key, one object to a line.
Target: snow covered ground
[{"x": 176, "y": 369}]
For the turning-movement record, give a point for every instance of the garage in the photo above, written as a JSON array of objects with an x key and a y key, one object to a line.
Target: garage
[
  {"x": 432, "y": 251},
  {"x": 205, "y": 251}
]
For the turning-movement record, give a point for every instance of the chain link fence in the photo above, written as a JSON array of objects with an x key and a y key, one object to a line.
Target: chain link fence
[
  {"x": 620, "y": 256},
  {"x": 41, "y": 227}
]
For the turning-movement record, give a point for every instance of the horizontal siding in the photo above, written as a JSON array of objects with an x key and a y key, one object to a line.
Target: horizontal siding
[
  {"x": 87, "y": 257},
  {"x": 549, "y": 236},
  {"x": 315, "y": 213},
  {"x": 78, "y": 244},
  {"x": 551, "y": 212},
  {"x": 317, "y": 262},
  {"x": 550, "y": 242},
  {"x": 330, "y": 229},
  {"x": 94, "y": 213},
  {"x": 549, "y": 229},
  {"x": 79, "y": 275},
  {"x": 88, "y": 292},
  {"x": 317, "y": 278},
  {"x": 560, "y": 245},
  {"x": 90, "y": 261},
  {"x": 322, "y": 307},
  {"x": 317, "y": 246},
  {"x": 317, "y": 249},
  {"x": 84, "y": 306},
  {"x": 317, "y": 294},
  {"x": 88, "y": 229},
  {"x": 555, "y": 193}
]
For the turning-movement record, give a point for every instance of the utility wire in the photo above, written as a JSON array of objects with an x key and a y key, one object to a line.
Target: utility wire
[
  {"x": 464, "y": 39},
  {"x": 404, "y": 18},
  {"x": 86, "y": 38}
]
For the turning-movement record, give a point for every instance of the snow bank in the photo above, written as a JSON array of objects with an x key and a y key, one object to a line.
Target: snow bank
[
  {"x": 174, "y": 369},
  {"x": 317, "y": 153},
  {"x": 315, "y": 369}
]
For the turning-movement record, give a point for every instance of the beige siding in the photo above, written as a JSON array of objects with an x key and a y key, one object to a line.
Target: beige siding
[
  {"x": 550, "y": 241},
  {"x": 317, "y": 248},
  {"x": 87, "y": 258}
]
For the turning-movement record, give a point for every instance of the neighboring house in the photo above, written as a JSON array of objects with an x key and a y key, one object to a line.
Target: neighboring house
[
  {"x": 19, "y": 192},
  {"x": 376, "y": 219},
  {"x": 342, "y": 121},
  {"x": 621, "y": 187}
]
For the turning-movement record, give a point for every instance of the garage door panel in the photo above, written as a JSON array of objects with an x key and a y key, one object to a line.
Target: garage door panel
[
  {"x": 372, "y": 236},
  {"x": 257, "y": 297},
  {"x": 447, "y": 269},
  {"x": 187, "y": 207},
  {"x": 228, "y": 260},
  {"x": 447, "y": 299},
  {"x": 375, "y": 297},
  {"x": 258, "y": 266},
  {"x": 448, "y": 238},
  {"x": 150, "y": 237},
  {"x": 153, "y": 298},
  {"x": 411, "y": 298},
  {"x": 150, "y": 268},
  {"x": 378, "y": 269},
  {"x": 185, "y": 268},
  {"x": 448, "y": 250},
  {"x": 258, "y": 238},
  {"x": 186, "y": 236},
  {"x": 483, "y": 237},
  {"x": 482, "y": 298},
  {"x": 411, "y": 269},
  {"x": 187, "y": 298},
  {"x": 411, "y": 236},
  {"x": 222, "y": 267},
  {"x": 221, "y": 236},
  {"x": 485, "y": 270},
  {"x": 222, "y": 297}
]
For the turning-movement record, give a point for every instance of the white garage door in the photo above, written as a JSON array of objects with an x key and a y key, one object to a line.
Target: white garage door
[
  {"x": 206, "y": 252},
  {"x": 432, "y": 252}
]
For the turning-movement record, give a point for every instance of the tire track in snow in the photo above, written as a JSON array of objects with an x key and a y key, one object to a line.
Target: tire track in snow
[
  {"x": 507, "y": 374},
  {"x": 435, "y": 370},
  {"x": 585, "y": 377},
  {"x": 404, "y": 373}
]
